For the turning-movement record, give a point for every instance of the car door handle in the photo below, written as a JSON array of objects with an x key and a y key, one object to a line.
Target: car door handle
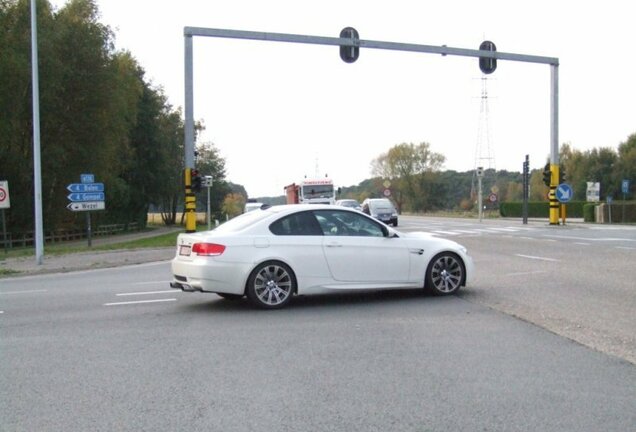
[
  {"x": 333, "y": 245},
  {"x": 417, "y": 251}
]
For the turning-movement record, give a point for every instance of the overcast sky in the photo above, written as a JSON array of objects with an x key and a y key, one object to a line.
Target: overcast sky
[{"x": 280, "y": 111}]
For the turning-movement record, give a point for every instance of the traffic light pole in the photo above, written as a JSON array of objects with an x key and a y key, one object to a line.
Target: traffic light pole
[
  {"x": 190, "y": 198},
  {"x": 190, "y": 32},
  {"x": 554, "y": 143}
]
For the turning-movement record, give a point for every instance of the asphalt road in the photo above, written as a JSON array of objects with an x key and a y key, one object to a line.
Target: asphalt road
[
  {"x": 575, "y": 280},
  {"x": 115, "y": 349}
]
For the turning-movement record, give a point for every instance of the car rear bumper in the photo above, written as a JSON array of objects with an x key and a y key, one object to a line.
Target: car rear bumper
[{"x": 208, "y": 275}]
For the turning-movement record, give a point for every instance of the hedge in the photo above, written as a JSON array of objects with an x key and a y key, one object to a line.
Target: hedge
[{"x": 574, "y": 209}]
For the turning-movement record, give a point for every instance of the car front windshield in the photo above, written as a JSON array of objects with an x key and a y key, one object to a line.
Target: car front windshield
[{"x": 317, "y": 191}]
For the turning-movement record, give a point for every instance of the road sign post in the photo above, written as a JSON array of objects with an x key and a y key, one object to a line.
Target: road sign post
[
  {"x": 480, "y": 174},
  {"x": 5, "y": 203},
  {"x": 625, "y": 190},
  {"x": 86, "y": 196},
  {"x": 526, "y": 178}
]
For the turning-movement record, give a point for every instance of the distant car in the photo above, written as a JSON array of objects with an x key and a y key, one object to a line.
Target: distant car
[
  {"x": 382, "y": 209},
  {"x": 252, "y": 206},
  {"x": 351, "y": 203},
  {"x": 274, "y": 253}
]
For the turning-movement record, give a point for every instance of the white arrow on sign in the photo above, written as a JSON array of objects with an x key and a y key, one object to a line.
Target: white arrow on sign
[
  {"x": 86, "y": 206},
  {"x": 564, "y": 193}
]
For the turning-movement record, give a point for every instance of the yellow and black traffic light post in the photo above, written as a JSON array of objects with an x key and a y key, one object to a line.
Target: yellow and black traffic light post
[
  {"x": 554, "y": 203},
  {"x": 190, "y": 203}
]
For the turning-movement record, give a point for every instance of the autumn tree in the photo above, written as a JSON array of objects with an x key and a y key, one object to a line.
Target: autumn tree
[{"x": 410, "y": 169}]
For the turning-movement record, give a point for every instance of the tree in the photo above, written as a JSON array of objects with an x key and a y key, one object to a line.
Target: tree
[
  {"x": 210, "y": 162},
  {"x": 98, "y": 115},
  {"x": 233, "y": 205},
  {"x": 626, "y": 163},
  {"x": 409, "y": 168}
]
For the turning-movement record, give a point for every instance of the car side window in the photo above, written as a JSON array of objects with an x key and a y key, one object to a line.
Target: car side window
[
  {"x": 346, "y": 223},
  {"x": 297, "y": 224}
]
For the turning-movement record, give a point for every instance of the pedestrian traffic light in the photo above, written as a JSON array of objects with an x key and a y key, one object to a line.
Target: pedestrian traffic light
[
  {"x": 195, "y": 180},
  {"x": 547, "y": 175},
  {"x": 349, "y": 54},
  {"x": 487, "y": 64}
]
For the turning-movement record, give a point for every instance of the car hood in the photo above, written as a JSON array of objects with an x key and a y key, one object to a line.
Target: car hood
[{"x": 416, "y": 234}]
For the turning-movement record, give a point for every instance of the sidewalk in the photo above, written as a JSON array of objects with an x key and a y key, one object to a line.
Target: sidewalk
[{"x": 23, "y": 266}]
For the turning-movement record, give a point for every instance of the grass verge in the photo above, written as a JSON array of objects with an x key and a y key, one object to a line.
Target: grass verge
[{"x": 158, "y": 241}]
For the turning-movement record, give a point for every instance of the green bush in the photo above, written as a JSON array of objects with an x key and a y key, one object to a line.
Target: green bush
[{"x": 588, "y": 212}]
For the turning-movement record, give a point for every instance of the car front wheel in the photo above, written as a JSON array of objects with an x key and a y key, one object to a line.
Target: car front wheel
[
  {"x": 445, "y": 274},
  {"x": 271, "y": 285}
]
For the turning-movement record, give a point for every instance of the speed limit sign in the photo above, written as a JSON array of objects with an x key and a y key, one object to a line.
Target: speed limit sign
[{"x": 4, "y": 194}]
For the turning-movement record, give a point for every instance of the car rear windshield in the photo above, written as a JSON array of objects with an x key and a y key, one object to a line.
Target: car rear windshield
[
  {"x": 243, "y": 221},
  {"x": 381, "y": 205}
]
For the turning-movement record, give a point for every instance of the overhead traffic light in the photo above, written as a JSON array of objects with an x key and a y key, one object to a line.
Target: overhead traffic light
[
  {"x": 195, "y": 179},
  {"x": 349, "y": 54},
  {"x": 547, "y": 175},
  {"x": 487, "y": 64}
]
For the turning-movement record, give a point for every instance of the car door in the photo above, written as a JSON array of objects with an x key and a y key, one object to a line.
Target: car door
[{"x": 357, "y": 250}]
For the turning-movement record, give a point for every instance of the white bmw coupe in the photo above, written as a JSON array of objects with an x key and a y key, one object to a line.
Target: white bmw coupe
[{"x": 274, "y": 253}]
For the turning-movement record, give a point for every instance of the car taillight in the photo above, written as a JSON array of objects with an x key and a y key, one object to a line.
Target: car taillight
[{"x": 208, "y": 249}]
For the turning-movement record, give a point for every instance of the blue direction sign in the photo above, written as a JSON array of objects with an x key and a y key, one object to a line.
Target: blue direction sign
[
  {"x": 625, "y": 186},
  {"x": 564, "y": 192},
  {"x": 87, "y": 196},
  {"x": 85, "y": 187},
  {"x": 87, "y": 178}
]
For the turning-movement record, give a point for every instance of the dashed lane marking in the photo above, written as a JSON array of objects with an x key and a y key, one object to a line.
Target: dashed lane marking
[
  {"x": 140, "y": 302},
  {"x": 146, "y": 293},
  {"x": 537, "y": 258}
]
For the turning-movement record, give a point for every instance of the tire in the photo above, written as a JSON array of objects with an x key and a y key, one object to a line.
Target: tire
[
  {"x": 271, "y": 285},
  {"x": 227, "y": 296},
  {"x": 395, "y": 223},
  {"x": 445, "y": 274}
]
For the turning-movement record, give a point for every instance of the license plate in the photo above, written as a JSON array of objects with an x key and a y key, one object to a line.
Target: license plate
[{"x": 184, "y": 250}]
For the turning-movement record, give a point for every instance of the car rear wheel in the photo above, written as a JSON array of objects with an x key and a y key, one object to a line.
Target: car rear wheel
[
  {"x": 271, "y": 285},
  {"x": 445, "y": 274}
]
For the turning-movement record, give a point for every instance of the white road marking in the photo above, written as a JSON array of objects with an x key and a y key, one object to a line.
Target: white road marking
[
  {"x": 152, "y": 282},
  {"x": 624, "y": 247},
  {"x": 139, "y": 302},
  {"x": 445, "y": 232},
  {"x": 146, "y": 292},
  {"x": 581, "y": 243},
  {"x": 537, "y": 258},
  {"x": 588, "y": 239},
  {"x": 525, "y": 273},
  {"x": 23, "y": 292}
]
